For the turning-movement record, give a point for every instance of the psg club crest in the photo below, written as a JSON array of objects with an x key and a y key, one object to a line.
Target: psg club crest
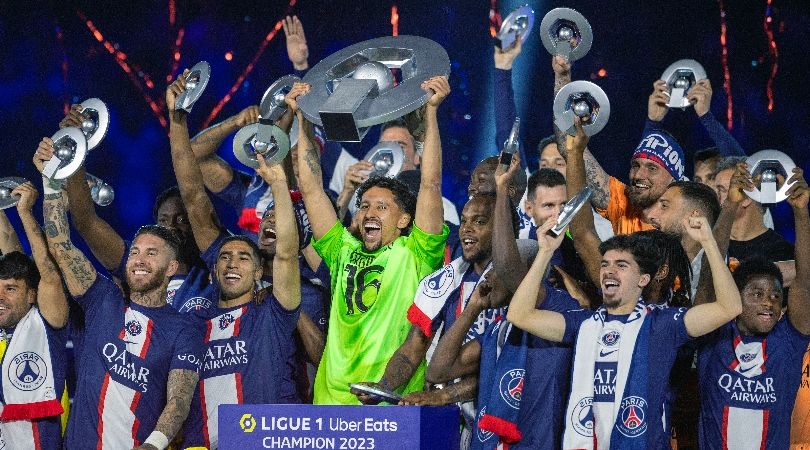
[
  {"x": 436, "y": 286},
  {"x": 133, "y": 328},
  {"x": 747, "y": 357},
  {"x": 27, "y": 371},
  {"x": 482, "y": 435},
  {"x": 225, "y": 320},
  {"x": 511, "y": 387},
  {"x": 632, "y": 415},
  {"x": 582, "y": 417},
  {"x": 611, "y": 338}
]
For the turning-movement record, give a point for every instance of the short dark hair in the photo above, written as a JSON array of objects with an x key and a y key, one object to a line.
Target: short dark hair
[
  {"x": 171, "y": 192},
  {"x": 167, "y": 234},
  {"x": 491, "y": 197},
  {"x": 753, "y": 267},
  {"x": 550, "y": 139},
  {"x": 405, "y": 199},
  {"x": 644, "y": 251},
  {"x": 674, "y": 256},
  {"x": 705, "y": 154},
  {"x": 19, "y": 266},
  {"x": 518, "y": 181},
  {"x": 544, "y": 177},
  {"x": 254, "y": 248},
  {"x": 700, "y": 196},
  {"x": 728, "y": 163}
]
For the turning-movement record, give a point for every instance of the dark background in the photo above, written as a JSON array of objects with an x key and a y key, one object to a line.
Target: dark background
[{"x": 50, "y": 58}]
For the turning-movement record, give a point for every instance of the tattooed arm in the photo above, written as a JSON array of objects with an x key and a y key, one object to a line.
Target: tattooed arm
[
  {"x": 76, "y": 269},
  {"x": 322, "y": 215},
  {"x": 597, "y": 178},
  {"x": 402, "y": 365},
  {"x": 9, "y": 242},
  {"x": 179, "y": 391},
  {"x": 216, "y": 173},
  {"x": 51, "y": 298}
]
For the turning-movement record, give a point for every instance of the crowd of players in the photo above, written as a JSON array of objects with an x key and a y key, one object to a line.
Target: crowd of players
[{"x": 627, "y": 331}]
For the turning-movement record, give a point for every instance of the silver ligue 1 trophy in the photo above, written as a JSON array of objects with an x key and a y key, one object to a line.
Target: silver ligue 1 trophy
[
  {"x": 768, "y": 164},
  {"x": 585, "y": 100},
  {"x": 264, "y": 138},
  {"x": 96, "y": 122},
  {"x": 681, "y": 76},
  {"x": 69, "y": 151},
  {"x": 570, "y": 210},
  {"x": 7, "y": 185},
  {"x": 511, "y": 146},
  {"x": 387, "y": 158},
  {"x": 566, "y": 32},
  {"x": 72, "y": 144},
  {"x": 196, "y": 82},
  {"x": 370, "y": 83},
  {"x": 102, "y": 193},
  {"x": 519, "y": 22}
]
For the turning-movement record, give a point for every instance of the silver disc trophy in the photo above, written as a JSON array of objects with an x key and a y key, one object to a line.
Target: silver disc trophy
[
  {"x": 370, "y": 83},
  {"x": 7, "y": 185},
  {"x": 585, "y": 100},
  {"x": 102, "y": 193},
  {"x": 265, "y": 138},
  {"x": 519, "y": 22},
  {"x": 566, "y": 32},
  {"x": 196, "y": 82},
  {"x": 69, "y": 152},
  {"x": 681, "y": 76},
  {"x": 768, "y": 164},
  {"x": 570, "y": 210},
  {"x": 96, "y": 122},
  {"x": 387, "y": 158}
]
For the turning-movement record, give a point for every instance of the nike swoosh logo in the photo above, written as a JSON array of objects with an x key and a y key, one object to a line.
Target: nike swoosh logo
[
  {"x": 603, "y": 354},
  {"x": 746, "y": 370}
]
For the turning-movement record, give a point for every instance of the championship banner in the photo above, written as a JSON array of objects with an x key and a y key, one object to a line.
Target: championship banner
[{"x": 338, "y": 427}]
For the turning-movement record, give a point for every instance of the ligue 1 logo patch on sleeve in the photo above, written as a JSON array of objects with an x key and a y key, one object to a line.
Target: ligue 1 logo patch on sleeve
[
  {"x": 436, "y": 286},
  {"x": 27, "y": 371},
  {"x": 632, "y": 414},
  {"x": 511, "y": 387},
  {"x": 133, "y": 328}
]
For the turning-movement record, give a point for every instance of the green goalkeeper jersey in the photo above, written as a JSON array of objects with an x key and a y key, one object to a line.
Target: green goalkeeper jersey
[{"x": 371, "y": 294}]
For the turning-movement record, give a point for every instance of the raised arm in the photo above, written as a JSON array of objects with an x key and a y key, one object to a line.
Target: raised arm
[
  {"x": 51, "y": 298},
  {"x": 105, "y": 243},
  {"x": 201, "y": 214},
  {"x": 705, "y": 318},
  {"x": 504, "y": 95},
  {"x": 740, "y": 180},
  {"x": 9, "y": 242},
  {"x": 596, "y": 178},
  {"x": 506, "y": 258},
  {"x": 701, "y": 96},
  {"x": 179, "y": 392},
  {"x": 583, "y": 230},
  {"x": 217, "y": 174},
  {"x": 286, "y": 273},
  {"x": 322, "y": 216},
  {"x": 429, "y": 207},
  {"x": 523, "y": 312},
  {"x": 799, "y": 294}
]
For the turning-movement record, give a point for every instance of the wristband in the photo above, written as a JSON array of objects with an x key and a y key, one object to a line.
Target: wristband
[
  {"x": 50, "y": 186},
  {"x": 158, "y": 440}
]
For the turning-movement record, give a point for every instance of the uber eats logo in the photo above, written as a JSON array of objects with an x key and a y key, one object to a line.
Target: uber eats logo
[{"x": 247, "y": 423}]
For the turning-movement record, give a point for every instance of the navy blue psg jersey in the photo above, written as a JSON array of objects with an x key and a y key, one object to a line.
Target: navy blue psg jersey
[
  {"x": 124, "y": 365},
  {"x": 748, "y": 386},
  {"x": 248, "y": 360}
]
